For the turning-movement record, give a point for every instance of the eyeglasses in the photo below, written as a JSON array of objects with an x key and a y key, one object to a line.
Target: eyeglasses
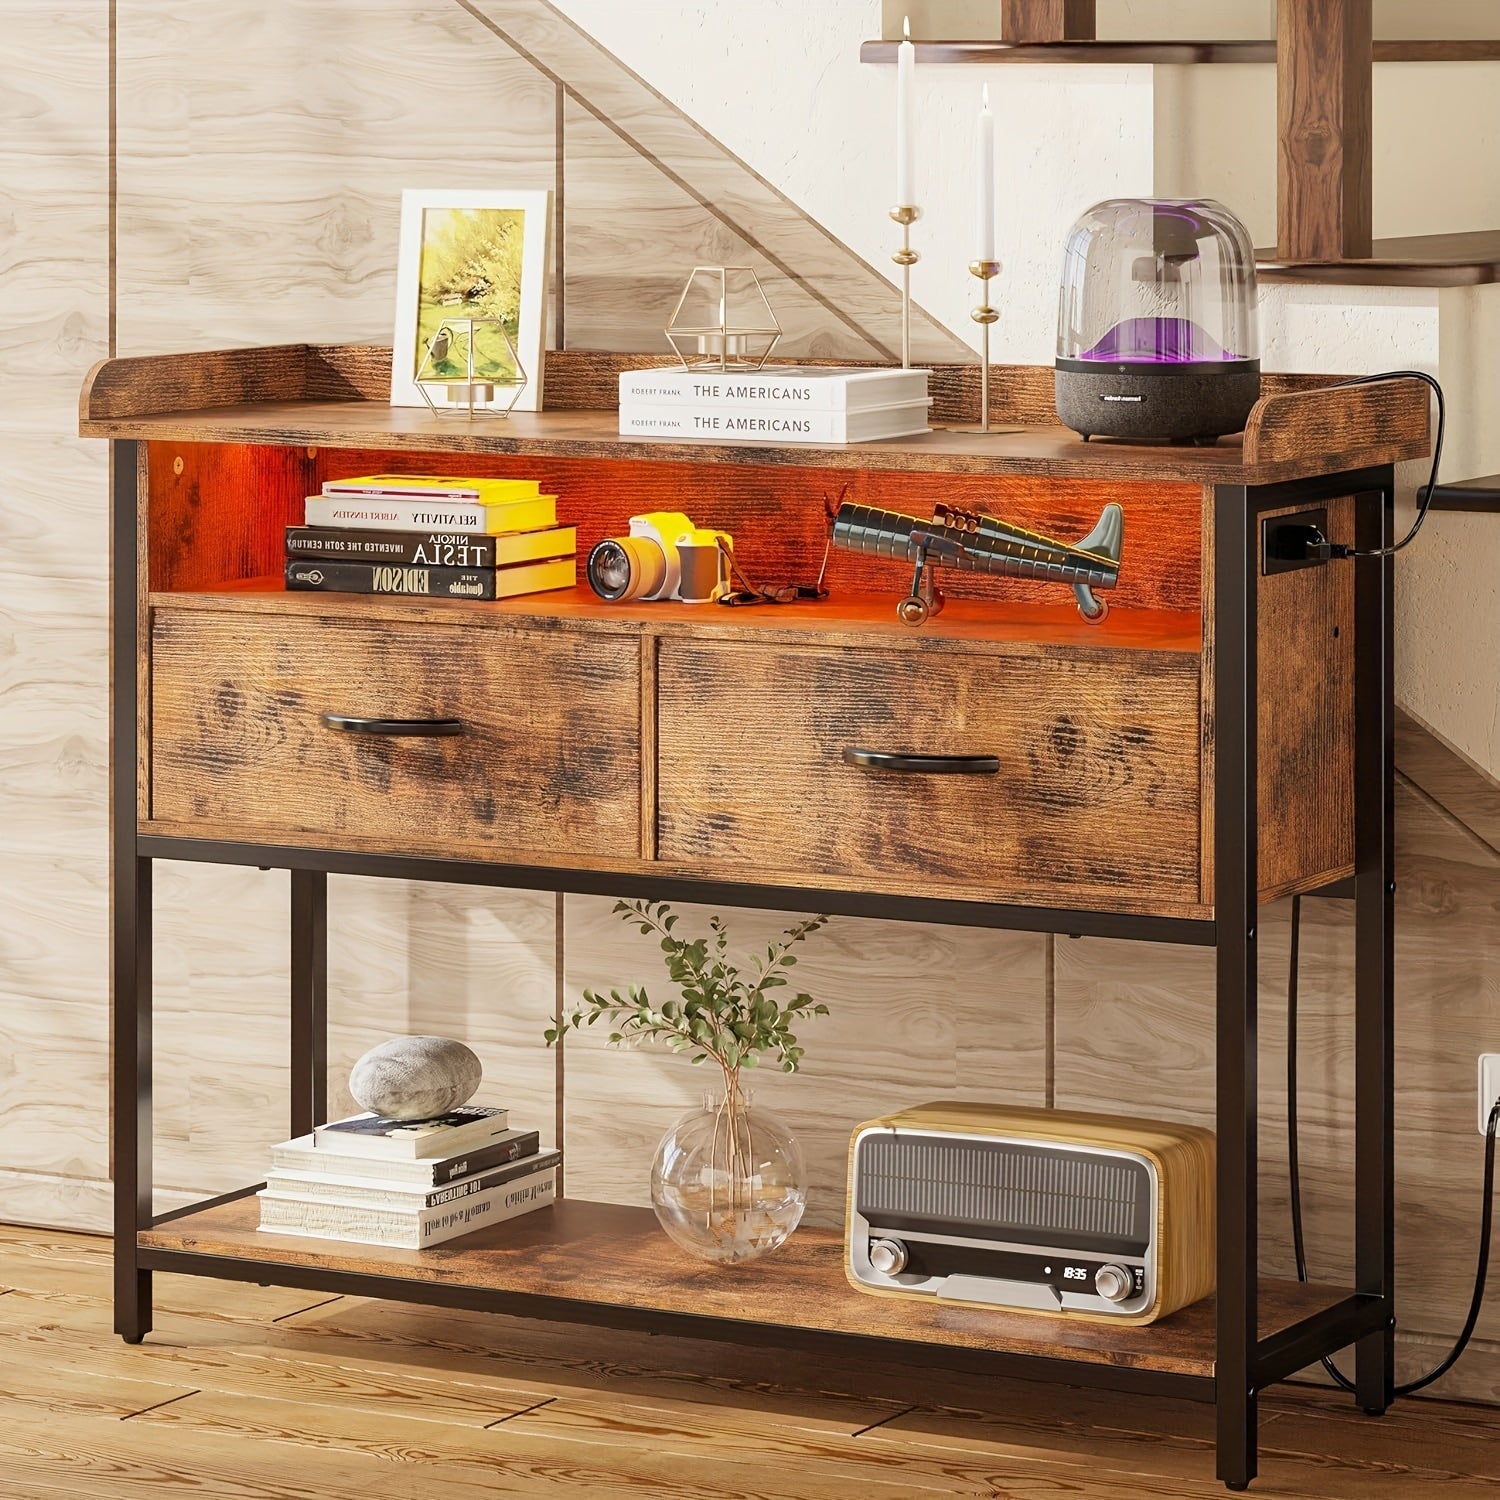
[{"x": 751, "y": 592}]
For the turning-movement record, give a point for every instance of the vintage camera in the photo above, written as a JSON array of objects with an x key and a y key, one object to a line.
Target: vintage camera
[{"x": 664, "y": 557}]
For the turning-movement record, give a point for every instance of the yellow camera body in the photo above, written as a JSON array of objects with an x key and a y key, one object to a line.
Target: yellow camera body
[{"x": 664, "y": 556}]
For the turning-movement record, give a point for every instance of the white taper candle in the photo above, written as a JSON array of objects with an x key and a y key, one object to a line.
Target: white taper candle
[
  {"x": 986, "y": 153},
  {"x": 906, "y": 61}
]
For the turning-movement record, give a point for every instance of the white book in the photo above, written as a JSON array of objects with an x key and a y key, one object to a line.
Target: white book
[
  {"x": 769, "y": 426},
  {"x": 301, "y": 1155},
  {"x": 785, "y": 387},
  {"x": 466, "y": 1128},
  {"x": 401, "y": 1229},
  {"x": 382, "y": 1193}
]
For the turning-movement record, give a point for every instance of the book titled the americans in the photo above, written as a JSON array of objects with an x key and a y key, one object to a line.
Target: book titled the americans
[
  {"x": 777, "y": 426},
  {"x": 785, "y": 388}
]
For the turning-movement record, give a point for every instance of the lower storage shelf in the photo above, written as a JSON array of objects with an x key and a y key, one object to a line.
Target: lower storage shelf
[{"x": 599, "y": 1262}]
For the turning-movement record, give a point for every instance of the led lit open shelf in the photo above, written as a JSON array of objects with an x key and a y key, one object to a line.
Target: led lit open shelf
[
  {"x": 853, "y": 619},
  {"x": 577, "y": 1258}
]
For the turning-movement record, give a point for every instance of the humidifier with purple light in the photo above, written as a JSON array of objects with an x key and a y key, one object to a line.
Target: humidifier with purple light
[{"x": 1157, "y": 339}]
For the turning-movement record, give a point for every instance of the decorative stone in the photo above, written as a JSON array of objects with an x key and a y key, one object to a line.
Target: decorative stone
[{"x": 415, "y": 1077}]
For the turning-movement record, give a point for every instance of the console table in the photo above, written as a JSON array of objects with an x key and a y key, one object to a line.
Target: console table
[{"x": 1223, "y": 738}]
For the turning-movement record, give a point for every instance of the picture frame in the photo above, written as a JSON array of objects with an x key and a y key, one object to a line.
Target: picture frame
[{"x": 473, "y": 253}]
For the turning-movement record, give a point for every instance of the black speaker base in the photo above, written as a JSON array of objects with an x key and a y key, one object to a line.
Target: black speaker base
[{"x": 1156, "y": 407}]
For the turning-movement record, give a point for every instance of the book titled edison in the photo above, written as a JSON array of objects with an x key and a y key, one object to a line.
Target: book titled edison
[{"x": 434, "y": 583}]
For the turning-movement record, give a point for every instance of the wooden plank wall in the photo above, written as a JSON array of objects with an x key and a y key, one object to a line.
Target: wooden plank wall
[
  {"x": 54, "y": 900},
  {"x": 260, "y": 150}
]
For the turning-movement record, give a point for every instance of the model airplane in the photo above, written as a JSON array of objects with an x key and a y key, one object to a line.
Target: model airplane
[{"x": 976, "y": 543}]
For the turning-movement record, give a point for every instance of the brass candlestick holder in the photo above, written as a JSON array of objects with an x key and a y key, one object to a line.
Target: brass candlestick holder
[
  {"x": 984, "y": 315},
  {"x": 906, "y": 215}
]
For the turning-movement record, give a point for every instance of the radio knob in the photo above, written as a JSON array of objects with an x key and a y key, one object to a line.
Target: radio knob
[
  {"x": 888, "y": 1257},
  {"x": 1113, "y": 1283}
]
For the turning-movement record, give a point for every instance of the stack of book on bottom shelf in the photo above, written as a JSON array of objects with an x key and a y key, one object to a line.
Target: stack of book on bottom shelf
[
  {"x": 788, "y": 404},
  {"x": 432, "y": 536},
  {"x": 407, "y": 1184}
]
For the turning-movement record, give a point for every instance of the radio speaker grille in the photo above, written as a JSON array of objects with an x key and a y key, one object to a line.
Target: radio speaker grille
[{"x": 1004, "y": 1190}]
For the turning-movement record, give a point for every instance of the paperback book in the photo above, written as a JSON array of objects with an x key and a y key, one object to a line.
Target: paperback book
[
  {"x": 302, "y": 1155},
  {"x": 304, "y": 575},
  {"x": 434, "y": 487},
  {"x": 787, "y": 388},
  {"x": 405, "y": 1229},
  {"x": 370, "y": 1134},
  {"x": 803, "y": 426},
  {"x": 431, "y": 549},
  {"x": 379, "y": 1193},
  {"x": 409, "y": 513}
]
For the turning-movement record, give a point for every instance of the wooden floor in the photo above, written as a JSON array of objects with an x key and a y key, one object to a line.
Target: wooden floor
[{"x": 247, "y": 1393}]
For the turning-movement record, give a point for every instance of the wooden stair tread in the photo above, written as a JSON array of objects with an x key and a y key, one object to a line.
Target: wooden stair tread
[
  {"x": 1466, "y": 494},
  {"x": 608, "y": 1254},
  {"x": 1471, "y": 258},
  {"x": 1230, "y": 51}
]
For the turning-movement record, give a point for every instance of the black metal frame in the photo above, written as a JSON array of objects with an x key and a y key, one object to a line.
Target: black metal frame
[{"x": 1244, "y": 1363}]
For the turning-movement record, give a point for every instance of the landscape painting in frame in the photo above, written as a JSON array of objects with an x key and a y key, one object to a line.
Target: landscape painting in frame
[{"x": 471, "y": 255}]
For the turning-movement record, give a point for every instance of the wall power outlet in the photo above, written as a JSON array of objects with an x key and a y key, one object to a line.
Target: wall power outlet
[{"x": 1489, "y": 1086}]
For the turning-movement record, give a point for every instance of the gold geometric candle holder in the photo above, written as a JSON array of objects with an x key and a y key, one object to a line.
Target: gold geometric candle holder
[
  {"x": 470, "y": 368},
  {"x": 723, "y": 320}
]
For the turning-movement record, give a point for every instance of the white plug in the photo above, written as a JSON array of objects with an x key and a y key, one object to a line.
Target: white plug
[{"x": 1489, "y": 1087}]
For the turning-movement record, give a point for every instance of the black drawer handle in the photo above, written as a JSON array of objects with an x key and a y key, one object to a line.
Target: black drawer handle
[
  {"x": 425, "y": 729},
  {"x": 923, "y": 765}
]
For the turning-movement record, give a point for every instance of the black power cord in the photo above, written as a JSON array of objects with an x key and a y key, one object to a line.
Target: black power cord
[
  {"x": 1487, "y": 1209},
  {"x": 1319, "y": 547}
]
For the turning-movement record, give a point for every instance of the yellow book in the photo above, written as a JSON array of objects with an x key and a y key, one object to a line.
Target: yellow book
[
  {"x": 420, "y": 513},
  {"x": 532, "y": 546},
  {"x": 435, "y": 487},
  {"x": 536, "y": 578}
]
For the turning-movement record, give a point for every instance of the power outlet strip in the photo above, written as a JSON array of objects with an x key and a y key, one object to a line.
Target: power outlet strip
[{"x": 1489, "y": 1086}]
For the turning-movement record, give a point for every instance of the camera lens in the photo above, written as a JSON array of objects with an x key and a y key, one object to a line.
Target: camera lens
[
  {"x": 609, "y": 569},
  {"x": 626, "y": 567}
]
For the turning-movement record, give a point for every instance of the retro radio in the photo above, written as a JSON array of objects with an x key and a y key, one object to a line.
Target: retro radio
[{"x": 1088, "y": 1216}]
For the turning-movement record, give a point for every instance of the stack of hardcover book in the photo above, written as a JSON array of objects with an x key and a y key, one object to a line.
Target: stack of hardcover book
[
  {"x": 407, "y": 1184},
  {"x": 815, "y": 404},
  {"x": 429, "y": 535}
]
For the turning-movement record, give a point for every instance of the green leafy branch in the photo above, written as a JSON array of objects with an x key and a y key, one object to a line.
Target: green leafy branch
[{"x": 725, "y": 1011}]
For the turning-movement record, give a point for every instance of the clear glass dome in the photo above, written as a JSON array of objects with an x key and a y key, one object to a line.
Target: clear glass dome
[{"x": 1164, "y": 282}]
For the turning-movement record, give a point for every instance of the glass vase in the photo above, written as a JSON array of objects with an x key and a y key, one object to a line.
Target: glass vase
[{"x": 728, "y": 1183}]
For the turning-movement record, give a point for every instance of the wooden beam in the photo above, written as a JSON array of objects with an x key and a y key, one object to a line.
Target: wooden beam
[
  {"x": 1047, "y": 20},
  {"x": 1324, "y": 74}
]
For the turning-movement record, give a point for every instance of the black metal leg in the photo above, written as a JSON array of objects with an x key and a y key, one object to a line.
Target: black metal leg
[
  {"x": 130, "y": 934},
  {"x": 309, "y": 999},
  {"x": 1236, "y": 889},
  {"x": 1374, "y": 964}
]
